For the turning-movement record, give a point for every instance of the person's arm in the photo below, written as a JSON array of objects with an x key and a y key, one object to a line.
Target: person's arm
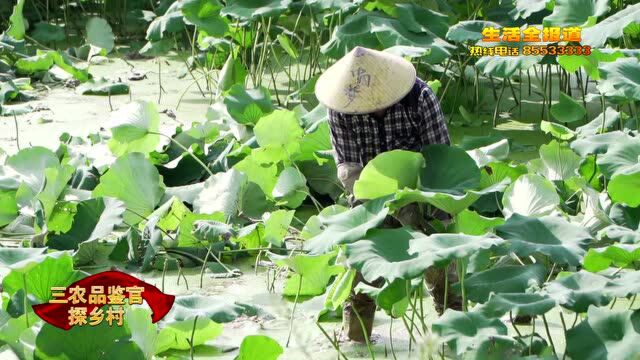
[
  {"x": 435, "y": 127},
  {"x": 345, "y": 146}
]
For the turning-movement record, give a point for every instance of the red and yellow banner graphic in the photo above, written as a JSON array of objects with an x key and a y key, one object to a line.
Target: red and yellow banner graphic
[{"x": 101, "y": 297}]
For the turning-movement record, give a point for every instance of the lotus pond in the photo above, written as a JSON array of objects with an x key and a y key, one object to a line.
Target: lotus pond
[{"x": 181, "y": 142}]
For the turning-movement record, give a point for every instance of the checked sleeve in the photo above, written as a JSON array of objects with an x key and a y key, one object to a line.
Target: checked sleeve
[
  {"x": 435, "y": 127},
  {"x": 343, "y": 139}
]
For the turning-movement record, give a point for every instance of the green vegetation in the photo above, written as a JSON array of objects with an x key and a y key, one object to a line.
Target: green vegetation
[{"x": 542, "y": 181}]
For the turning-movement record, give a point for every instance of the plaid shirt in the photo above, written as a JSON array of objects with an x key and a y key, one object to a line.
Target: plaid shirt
[{"x": 358, "y": 138}]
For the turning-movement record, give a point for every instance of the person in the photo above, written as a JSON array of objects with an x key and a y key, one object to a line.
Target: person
[{"x": 376, "y": 103}]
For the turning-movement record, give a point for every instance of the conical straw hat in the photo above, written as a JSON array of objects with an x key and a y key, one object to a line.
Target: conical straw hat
[{"x": 364, "y": 81}]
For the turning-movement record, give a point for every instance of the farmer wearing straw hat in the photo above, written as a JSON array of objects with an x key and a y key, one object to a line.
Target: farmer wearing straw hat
[{"x": 376, "y": 104}]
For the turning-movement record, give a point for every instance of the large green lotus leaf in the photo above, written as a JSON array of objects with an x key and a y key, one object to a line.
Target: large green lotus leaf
[
  {"x": 205, "y": 14},
  {"x": 322, "y": 178},
  {"x": 619, "y": 155},
  {"x": 340, "y": 290},
  {"x": 373, "y": 30},
  {"x": 345, "y": 6},
  {"x": 571, "y": 63},
  {"x": 216, "y": 308},
  {"x": 221, "y": 193},
  {"x": 99, "y": 34},
  {"x": 314, "y": 225},
  {"x": 311, "y": 273},
  {"x": 503, "y": 279},
  {"x": 21, "y": 258},
  {"x": 158, "y": 48},
  {"x": 254, "y": 9},
  {"x": 93, "y": 219},
  {"x": 96, "y": 342},
  {"x": 530, "y": 195},
  {"x": 525, "y": 8},
  {"x": 599, "y": 144},
  {"x": 134, "y": 128},
  {"x": 497, "y": 172},
  {"x": 93, "y": 252},
  {"x": 316, "y": 140},
  {"x": 624, "y": 284},
  {"x": 619, "y": 234},
  {"x": 605, "y": 334},
  {"x": 14, "y": 331},
  {"x": 489, "y": 153},
  {"x": 44, "y": 32},
  {"x": 610, "y": 28},
  {"x": 556, "y": 130},
  {"x": 517, "y": 303},
  {"x": 595, "y": 217},
  {"x": 447, "y": 202},
  {"x": 469, "y": 30},
  {"x": 264, "y": 175},
  {"x": 63, "y": 62},
  {"x": 200, "y": 134},
  {"x": 17, "y": 23},
  {"x": 610, "y": 117},
  {"x": 8, "y": 207},
  {"x": 448, "y": 169},
  {"x": 558, "y": 161},
  {"x": 393, "y": 34},
  {"x": 471, "y": 223},
  {"x": 621, "y": 78},
  {"x": 259, "y": 347},
  {"x": 625, "y": 216},
  {"x": 56, "y": 180},
  {"x": 232, "y": 72},
  {"x": 247, "y": 106},
  {"x": 51, "y": 270},
  {"x": 28, "y": 166},
  {"x": 136, "y": 182},
  {"x": 575, "y": 12},
  {"x": 185, "y": 230},
  {"x": 567, "y": 109},
  {"x": 355, "y": 31},
  {"x": 419, "y": 19},
  {"x": 624, "y": 185},
  {"x": 464, "y": 331},
  {"x": 103, "y": 87},
  {"x": 578, "y": 291},
  {"x": 276, "y": 226},
  {"x": 384, "y": 253},
  {"x": 348, "y": 226},
  {"x": 212, "y": 230},
  {"x": 618, "y": 255},
  {"x": 144, "y": 333},
  {"x": 254, "y": 202},
  {"x": 563, "y": 242},
  {"x": 388, "y": 172},
  {"x": 405, "y": 254},
  {"x": 393, "y": 297},
  {"x": 34, "y": 64},
  {"x": 171, "y": 22},
  {"x": 441, "y": 249},
  {"x": 291, "y": 188},
  {"x": 506, "y": 66},
  {"x": 178, "y": 334},
  {"x": 289, "y": 130}
]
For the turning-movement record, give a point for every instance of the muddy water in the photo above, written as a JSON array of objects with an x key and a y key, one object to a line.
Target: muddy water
[
  {"x": 307, "y": 341},
  {"x": 82, "y": 115}
]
